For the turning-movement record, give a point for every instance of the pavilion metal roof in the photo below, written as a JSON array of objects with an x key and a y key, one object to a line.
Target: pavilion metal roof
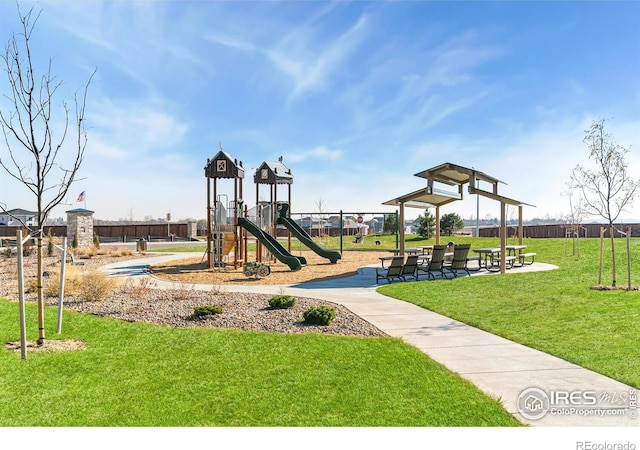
[
  {"x": 423, "y": 199},
  {"x": 452, "y": 175}
]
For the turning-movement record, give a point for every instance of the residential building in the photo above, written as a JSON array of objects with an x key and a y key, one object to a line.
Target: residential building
[{"x": 18, "y": 217}]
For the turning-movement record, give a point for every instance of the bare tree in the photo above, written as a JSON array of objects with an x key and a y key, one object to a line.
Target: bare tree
[
  {"x": 608, "y": 189},
  {"x": 35, "y": 132},
  {"x": 321, "y": 207},
  {"x": 573, "y": 219}
]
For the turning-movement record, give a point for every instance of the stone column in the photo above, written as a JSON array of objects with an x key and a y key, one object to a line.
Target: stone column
[
  {"x": 80, "y": 224},
  {"x": 192, "y": 230}
]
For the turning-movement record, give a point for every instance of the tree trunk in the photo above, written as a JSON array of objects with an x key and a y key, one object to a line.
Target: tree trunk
[
  {"x": 40, "y": 293},
  {"x": 613, "y": 256},
  {"x": 600, "y": 261}
]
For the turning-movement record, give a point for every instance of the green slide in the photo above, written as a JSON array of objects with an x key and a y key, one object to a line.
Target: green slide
[
  {"x": 304, "y": 237},
  {"x": 281, "y": 253}
]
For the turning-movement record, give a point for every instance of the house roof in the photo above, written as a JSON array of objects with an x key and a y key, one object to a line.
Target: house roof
[{"x": 19, "y": 212}]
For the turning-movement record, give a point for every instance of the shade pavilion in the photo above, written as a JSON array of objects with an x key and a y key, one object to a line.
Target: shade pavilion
[{"x": 454, "y": 177}]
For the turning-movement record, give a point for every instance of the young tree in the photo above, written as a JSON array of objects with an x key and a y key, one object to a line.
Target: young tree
[
  {"x": 390, "y": 224},
  {"x": 608, "y": 188},
  {"x": 321, "y": 208},
  {"x": 450, "y": 223},
  {"x": 34, "y": 153},
  {"x": 426, "y": 225},
  {"x": 573, "y": 219}
]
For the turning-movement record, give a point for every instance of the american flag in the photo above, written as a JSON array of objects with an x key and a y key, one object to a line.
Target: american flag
[{"x": 80, "y": 197}]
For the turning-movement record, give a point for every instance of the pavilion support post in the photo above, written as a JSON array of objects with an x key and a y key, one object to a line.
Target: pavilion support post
[
  {"x": 520, "y": 229},
  {"x": 401, "y": 229},
  {"x": 503, "y": 236},
  {"x": 437, "y": 225}
]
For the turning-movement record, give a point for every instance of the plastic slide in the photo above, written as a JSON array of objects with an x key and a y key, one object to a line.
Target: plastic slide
[
  {"x": 281, "y": 253},
  {"x": 304, "y": 237},
  {"x": 227, "y": 241}
]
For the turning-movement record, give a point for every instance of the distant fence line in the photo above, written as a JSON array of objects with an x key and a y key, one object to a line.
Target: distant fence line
[
  {"x": 180, "y": 231},
  {"x": 558, "y": 231},
  {"x": 117, "y": 233}
]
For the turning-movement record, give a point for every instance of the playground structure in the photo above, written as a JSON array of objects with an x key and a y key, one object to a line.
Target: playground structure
[
  {"x": 228, "y": 222},
  {"x": 295, "y": 229},
  {"x": 223, "y": 232}
]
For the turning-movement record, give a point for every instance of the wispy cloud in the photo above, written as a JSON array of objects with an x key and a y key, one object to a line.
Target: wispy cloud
[
  {"x": 316, "y": 153},
  {"x": 131, "y": 129},
  {"x": 229, "y": 41},
  {"x": 309, "y": 63},
  {"x": 307, "y": 55}
]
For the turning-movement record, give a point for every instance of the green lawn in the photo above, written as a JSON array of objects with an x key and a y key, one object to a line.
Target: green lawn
[
  {"x": 148, "y": 375},
  {"x": 554, "y": 311}
]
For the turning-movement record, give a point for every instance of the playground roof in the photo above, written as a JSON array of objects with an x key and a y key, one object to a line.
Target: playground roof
[
  {"x": 273, "y": 173},
  {"x": 224, "y": 165}
]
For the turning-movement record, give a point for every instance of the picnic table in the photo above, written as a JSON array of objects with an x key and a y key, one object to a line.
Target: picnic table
[
  {"x": 386, "y": 258},
  {"x": 517, "y": 251},
  {"x": 512, "y": 249},
  {"x": 490, "y": 258},
  {"x": 408, "y": 251}
]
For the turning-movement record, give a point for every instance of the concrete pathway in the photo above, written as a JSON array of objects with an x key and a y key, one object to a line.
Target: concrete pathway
[{"x": 539, "y": 389}]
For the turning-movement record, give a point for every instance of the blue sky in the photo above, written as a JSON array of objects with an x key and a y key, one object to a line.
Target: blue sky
[{"x": 356, "y": 96}]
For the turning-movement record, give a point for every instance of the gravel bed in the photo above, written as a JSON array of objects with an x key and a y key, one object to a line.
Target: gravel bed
[{"x": 243, "y": 311}]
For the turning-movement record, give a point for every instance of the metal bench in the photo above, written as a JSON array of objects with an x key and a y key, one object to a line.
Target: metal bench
[{"x": 522, "y": 258}]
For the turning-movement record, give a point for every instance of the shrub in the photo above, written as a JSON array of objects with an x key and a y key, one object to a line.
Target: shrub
[
  {"x": 282, "y": 301},
  {"x": 96, "y": 241},
  {"x": 96, "y": 287},
  {"x": 139, "y": 288},
  {"x": 74, "y": 242},
  {"x": 120, "y": 251},
  {"x": 50, "y": 246},
  {"x": 72, "y": 282},
  {"x": 27, "y": 250},
  {"x": 319, "y": 315},
  {"x": 203, "y": 311},
  {"x": 31, "y": 286}
]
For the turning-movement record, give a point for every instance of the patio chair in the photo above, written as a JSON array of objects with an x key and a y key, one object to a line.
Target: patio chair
[
  {"x": 410, "y": 268},
  {"x": 459, "y": 261},
  {"x": 435, "y": 263},
  {"x": 393, "y": 271}
]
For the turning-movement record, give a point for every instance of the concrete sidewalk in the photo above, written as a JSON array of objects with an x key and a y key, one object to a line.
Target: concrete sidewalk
[{"x": 556, "y": 392}]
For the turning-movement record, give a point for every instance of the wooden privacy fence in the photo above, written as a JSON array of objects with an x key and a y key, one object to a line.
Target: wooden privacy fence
[
  {"x": 115, "y": 233},
  {"x": 558, "y": 231}
]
